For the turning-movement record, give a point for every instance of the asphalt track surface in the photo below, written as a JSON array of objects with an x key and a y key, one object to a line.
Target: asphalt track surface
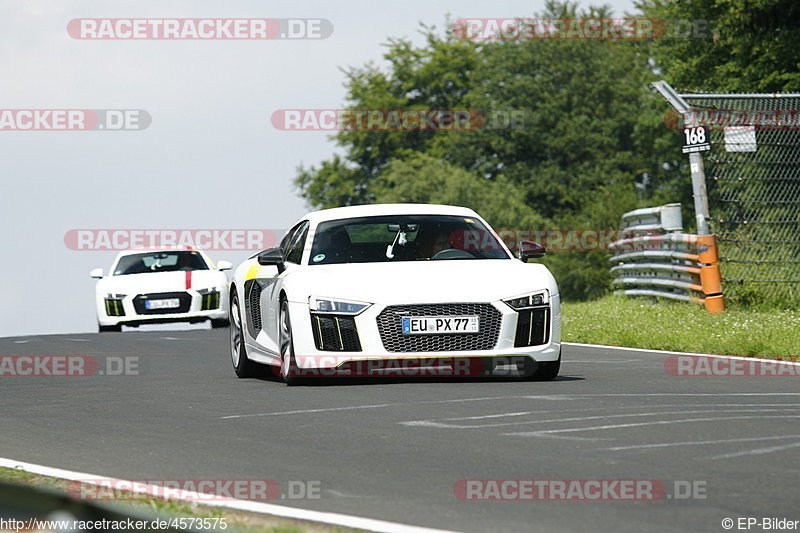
[{"x": 394, "y": 449}]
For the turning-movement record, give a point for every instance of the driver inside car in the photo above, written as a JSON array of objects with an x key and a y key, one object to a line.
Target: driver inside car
[{"x": 431, "y": 241}]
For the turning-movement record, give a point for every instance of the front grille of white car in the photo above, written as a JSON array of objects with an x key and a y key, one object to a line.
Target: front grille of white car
[
  {"x": 390, "y": 328},
  {"x": 533, "y": 327},
  {"x": 114, "y": 307},
  {"x": 333, "y": 333}
]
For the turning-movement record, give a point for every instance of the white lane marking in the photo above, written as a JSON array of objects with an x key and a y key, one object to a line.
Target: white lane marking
[
  {"x": 638, "y": 424},
  {"x": 696, "y": 443},
  {"x": 567, "y": 437},
  {"x": 79, "y": 340},
  {"x": 604, "y": 361},
  {"x": 757, "y": 451},
  {"x": 666, "y": 352},
  {"x": 22, "y": 342},
  {"x": 201, "y": 499},
  {"x": 481, "y": 417},
  {"x": 323, "y": 410},
  {"x": 553, "y": 397},
  {"x": 374, "y": 406},
  {"x": 434, "y": 424}
]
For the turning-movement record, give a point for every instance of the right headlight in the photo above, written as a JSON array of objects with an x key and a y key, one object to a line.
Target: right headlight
[
  {"x": 528, "y": 301},
  {"x": 336, "y": 306}
]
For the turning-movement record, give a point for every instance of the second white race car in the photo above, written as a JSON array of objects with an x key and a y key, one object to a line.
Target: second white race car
[
  {"x": 395, "y": 289},
  {"x": 157, "y": 286}
]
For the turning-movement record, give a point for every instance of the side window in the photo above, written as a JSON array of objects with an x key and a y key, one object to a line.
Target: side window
[
  {"x": 287, "y": 239},
  {"x": 297, "y": 244}
]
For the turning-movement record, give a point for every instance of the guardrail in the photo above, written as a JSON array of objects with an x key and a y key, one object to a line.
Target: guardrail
[{"x": 654, "y": 258}]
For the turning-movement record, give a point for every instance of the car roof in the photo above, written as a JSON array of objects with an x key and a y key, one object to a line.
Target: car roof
[
  {"x": 134, "y": 251},
  {"x": 337, "y": 213}
]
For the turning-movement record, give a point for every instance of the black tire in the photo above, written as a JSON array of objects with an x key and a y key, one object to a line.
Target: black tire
[
  {"x": 244, "y": 367},
  {"x": 220, "y": 323},
  {"x": 547, "y": 370},
  {"x": 115, "y": 329},
  {"x": 288, "y": 370}
]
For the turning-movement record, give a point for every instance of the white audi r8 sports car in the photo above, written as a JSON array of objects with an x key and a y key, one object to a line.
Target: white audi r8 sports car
[
  {"x": 156, "y": 286},
  {"x": 398, "y": 290}
]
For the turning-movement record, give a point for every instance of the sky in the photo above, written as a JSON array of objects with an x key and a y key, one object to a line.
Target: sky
[{"x": 210, "y": 158}]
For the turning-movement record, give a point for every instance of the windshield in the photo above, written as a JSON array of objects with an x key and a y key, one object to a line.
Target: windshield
[
  {"x": 160, "y": 262},
  {"x": 403, "y": 238}
]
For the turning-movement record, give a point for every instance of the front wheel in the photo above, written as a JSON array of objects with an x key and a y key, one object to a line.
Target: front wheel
[
  {"x": 289, "y": 368},
  {"x": 243, "y": 366}
]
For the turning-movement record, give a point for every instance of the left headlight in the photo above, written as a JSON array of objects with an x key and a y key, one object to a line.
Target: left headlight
[
  {"x": 337, "y": 306},
  {"x": 529, "y": 301}
]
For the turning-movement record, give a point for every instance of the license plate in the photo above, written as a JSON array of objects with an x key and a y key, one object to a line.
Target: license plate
[
  {"x": 168, "y": 303},
  {"x": 428, "y": 325}
]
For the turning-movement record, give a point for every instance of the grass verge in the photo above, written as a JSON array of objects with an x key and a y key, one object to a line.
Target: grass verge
[
  {"x": 683, "y": 327},
  {"x": 237, "y": 521}
]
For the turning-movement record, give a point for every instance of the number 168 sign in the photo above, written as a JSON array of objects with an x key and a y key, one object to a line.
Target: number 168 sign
[{"x": 695, "y": 140}]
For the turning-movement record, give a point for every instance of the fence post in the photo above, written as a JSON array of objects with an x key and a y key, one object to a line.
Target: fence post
[
  {"x": 695, "y": 158},
  {"x": 710, "y": 278}
]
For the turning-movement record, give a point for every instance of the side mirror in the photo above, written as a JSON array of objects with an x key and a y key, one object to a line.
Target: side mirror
[
  {"x": 530, "y": 250},
  {"x": 224, "y": 265},
  {"x": 96, "y": 273},
  {"x": 272, "y": 256}
]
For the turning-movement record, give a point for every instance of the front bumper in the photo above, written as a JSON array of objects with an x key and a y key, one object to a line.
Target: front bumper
[
  {"x": 374, "y": 353},
  {"x": 129, "y": 310}
]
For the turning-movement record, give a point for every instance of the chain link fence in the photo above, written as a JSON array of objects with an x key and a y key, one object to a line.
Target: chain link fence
[{"x": 753, "y": 180}]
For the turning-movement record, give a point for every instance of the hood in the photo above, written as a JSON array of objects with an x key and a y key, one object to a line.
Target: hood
[
  {"x": 163, "y": 282},
  {"x": 478, "y": 280}
]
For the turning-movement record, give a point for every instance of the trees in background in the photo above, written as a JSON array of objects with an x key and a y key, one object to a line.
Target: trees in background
[
  {"x": 752, "y": 45},
  {"x": 592, "y": 127}
]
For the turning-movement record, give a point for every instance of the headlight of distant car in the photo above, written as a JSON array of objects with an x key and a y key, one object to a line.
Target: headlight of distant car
[
  {"x": 528, "y": 301},
  {"x": 206, "y": 291},
  {"x": 337, "y": 306}
]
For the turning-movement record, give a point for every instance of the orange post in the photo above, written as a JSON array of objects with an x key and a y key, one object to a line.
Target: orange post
[{"x": 710, "y": 277}]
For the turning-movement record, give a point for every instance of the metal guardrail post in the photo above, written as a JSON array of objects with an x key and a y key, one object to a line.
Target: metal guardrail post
[
  {"x": 654, "y": 258},
  {"x": 695, "y": 158}
]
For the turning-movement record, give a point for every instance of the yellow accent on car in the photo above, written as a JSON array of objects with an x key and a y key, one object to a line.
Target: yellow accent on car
[{"x": 252, "y": 272}]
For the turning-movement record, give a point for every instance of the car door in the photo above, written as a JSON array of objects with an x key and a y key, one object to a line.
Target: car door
[{"x": 292, "y": 246}]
